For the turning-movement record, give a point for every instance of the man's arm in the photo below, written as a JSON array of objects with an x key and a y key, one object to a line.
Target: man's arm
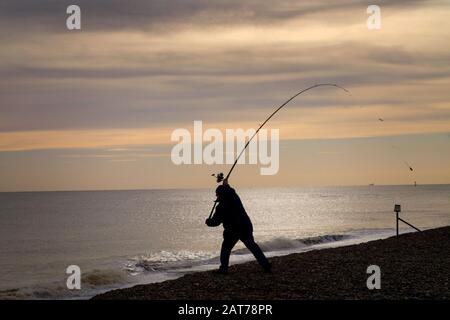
[{"x": 216, "y": 219}]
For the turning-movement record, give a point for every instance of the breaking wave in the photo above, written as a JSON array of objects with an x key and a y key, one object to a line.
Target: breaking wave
[
  {"x": 167, "y": 260},
  {"x": 164, "y": 260},
  {"x": 91, "y": 283},
  {"x": 283, "y": 244}
]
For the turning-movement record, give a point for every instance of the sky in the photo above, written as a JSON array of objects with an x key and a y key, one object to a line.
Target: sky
[{"x": 95, "y": 108}]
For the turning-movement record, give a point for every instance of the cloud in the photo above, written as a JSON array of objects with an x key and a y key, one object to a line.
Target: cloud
[
  {"x": 163, "y": 15},
  {"x": 325, "y": 123},
  {"x": 158, "y": 65}
]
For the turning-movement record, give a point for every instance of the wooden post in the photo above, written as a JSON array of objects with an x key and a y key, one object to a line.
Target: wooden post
[
  {"x": 396, "y": 219},
  {"x": 397, "y": 209}
]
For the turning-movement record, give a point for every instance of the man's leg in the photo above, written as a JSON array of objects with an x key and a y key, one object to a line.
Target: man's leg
[
  {"x": 257, "y": 252},
  {"x": 229, "y": 241}
]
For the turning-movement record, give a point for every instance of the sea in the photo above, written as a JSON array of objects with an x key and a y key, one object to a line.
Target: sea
[{"x": 119, "y": 239}]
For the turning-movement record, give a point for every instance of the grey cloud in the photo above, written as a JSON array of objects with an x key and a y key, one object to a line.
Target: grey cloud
[
  {"x": 210, "y": 100},
  {"x": 256, "y": 61},
  {"x": 182, "y": 87},
  {"x": 163, "y": 15}
]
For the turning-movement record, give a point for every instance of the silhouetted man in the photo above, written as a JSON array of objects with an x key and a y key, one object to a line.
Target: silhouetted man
[{"x": 237, "y": 226}]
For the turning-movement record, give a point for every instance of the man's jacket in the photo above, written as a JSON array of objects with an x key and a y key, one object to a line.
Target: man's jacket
[{"x": 231, "y": 213}]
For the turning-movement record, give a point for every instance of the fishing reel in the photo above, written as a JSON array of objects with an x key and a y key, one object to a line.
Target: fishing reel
[{"x": 219, "y": 177}]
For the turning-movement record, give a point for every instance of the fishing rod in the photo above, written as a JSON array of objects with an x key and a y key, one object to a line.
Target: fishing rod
[{"x": 220, "y": 175}]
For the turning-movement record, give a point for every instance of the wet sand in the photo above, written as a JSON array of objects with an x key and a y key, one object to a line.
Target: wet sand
[{"x": 413, "y": 266}]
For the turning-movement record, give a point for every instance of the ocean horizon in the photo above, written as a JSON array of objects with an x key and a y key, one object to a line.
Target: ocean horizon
[{"x": 244, "y": 187}]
